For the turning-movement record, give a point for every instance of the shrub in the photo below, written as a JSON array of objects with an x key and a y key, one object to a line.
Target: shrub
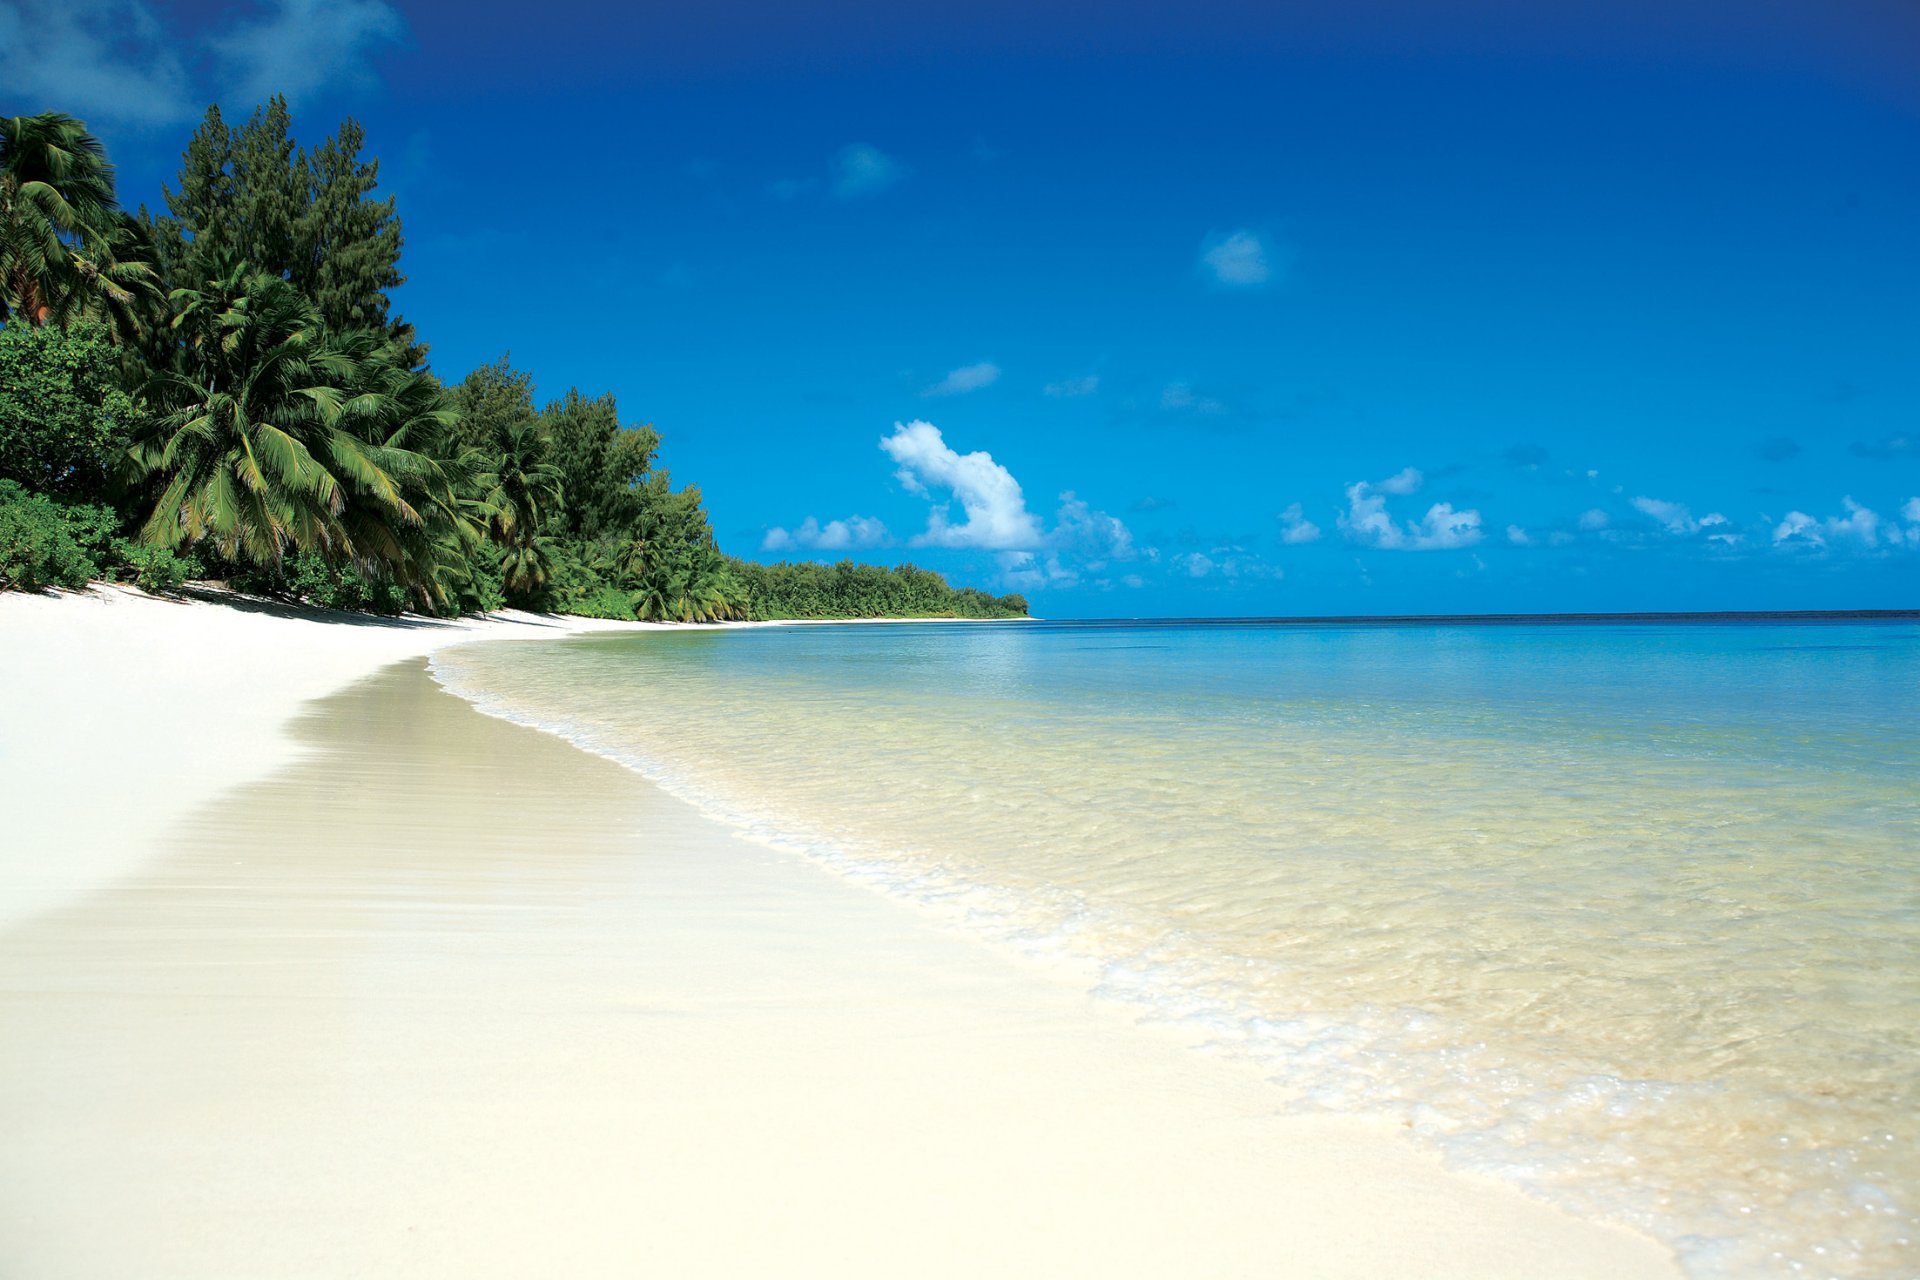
[
  {"x": 62, "y": 411},
  {"x": 37, "y": 549},
  {"x": 308, "y": 576},
  {"x": 603, "y": 602},
  {"x": 155, "y": 569}
]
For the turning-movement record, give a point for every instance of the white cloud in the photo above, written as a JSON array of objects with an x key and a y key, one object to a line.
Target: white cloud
[
  {"x": 1094, "y": 537},
  {"x": 1402, "y": 482},
  {"x": 1238, "y": 260},
  {"x": 1295, "y": 528},
  {"x": 1193, "y": 564},
  {"x": 1673, "y": 516},
  {"x": 835, "y": 535},
  {"x": 1367, "y": 520},
  {"x": 295, "y": 47},
  {"x": 1067, "y": 388},
  {"x": 996, "y": 511},
  {"x": 1911, "y": 511},
  {"x": 968, "y": 377},
  {"x": 1859, "y": 525},
  {"x": 861, "y": 169},
  {"x": 1519, "y": 537},
  {"x": 101, "y": 60},
  {"x": 1593, "y": 519}
]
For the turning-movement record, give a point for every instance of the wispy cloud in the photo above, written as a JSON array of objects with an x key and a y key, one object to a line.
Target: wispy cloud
[
  {"x": 297, "y": 47},
  {"x": 968, "y": 377},
  {"x": 102, "y": 60},
  {"x": 1886, "y": 448},
  {"x": 1676, "y": 519},
  {"x": 1068, "y": 388},
  {"x": 1368, "y": 522},
  {"x": 117, "y": 61},
  {"x": 835, "y": 535},
  {"x": 862, "y": 169},
  {"x": 1295, "y": 528},
  {"x": 1180, "y": 397},
  {"x": 1092, "y": 537},
  {"x": 996, "y": 512},
  {"x": 1238, "y": 260}
]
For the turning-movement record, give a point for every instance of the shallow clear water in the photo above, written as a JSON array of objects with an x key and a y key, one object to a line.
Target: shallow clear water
[{"x": 1628, "y": 914}]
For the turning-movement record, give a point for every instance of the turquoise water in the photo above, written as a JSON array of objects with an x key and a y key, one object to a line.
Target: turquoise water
[{"x": 1626, "y": 914}]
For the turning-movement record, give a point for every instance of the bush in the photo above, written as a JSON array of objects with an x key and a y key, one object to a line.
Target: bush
[
  {"x": 308, "y": 576},
  {"x": 37, "y": 549},
  {"x": 602, "y": 602},
  {"x": 63, "y": 414},
  {"x": 154, "y": 569}
]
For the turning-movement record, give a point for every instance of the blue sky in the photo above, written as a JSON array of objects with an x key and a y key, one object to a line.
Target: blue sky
[{"x": 1156, "y": 309}]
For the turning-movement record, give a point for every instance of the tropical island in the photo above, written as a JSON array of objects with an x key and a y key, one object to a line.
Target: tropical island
[{"x": 223, "y": 391}]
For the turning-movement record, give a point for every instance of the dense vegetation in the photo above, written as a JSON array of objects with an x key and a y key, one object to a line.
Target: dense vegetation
[{"x": 224, "y": 390}]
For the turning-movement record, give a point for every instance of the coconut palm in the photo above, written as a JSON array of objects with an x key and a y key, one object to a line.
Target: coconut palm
[
  {"x": 65, "y": 248},
  {"x": 521, "y": 490},
  {"x": 269, "y": 435},
  {"x": 522, "y": 486}
]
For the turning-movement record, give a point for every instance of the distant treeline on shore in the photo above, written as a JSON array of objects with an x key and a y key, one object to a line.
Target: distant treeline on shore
[{"x": 223, "y": 391}]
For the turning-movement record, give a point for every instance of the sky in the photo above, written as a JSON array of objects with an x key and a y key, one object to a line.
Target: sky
[{"x": 1198, "y": 309}]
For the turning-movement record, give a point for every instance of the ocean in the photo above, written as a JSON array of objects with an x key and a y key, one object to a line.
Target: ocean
[{"x": 1626, "y": 913}]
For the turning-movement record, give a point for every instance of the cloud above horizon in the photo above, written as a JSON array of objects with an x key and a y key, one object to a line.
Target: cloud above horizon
[
  {"x": 968, "y": 377},
  {"x": 1368, "y": 522},
  {"x": 1238, "y": 260},
  {"x": 996, "y": 512},
  {"x": 1295, "y": 528},
  {"x": 1859, "y": 527},
  {"x": 835, "y": 535}
]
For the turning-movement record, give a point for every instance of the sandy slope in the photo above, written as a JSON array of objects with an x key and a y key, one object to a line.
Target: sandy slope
[
  {"x": 120, "y": 713},
  {"x": 398, "y": 989}
]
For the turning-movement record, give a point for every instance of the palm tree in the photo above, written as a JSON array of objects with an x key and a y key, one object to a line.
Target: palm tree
[
  {"x": 269, "y": 436},
  {"x": 521, "y": 490},
  {"x": 526, "y": 564},
  {"x": 65, "y": 247},
  {"x": 523, "y": 486}
]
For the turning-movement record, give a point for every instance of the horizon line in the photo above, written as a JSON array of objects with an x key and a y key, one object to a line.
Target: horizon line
[{"x": 1710, "y": 615}]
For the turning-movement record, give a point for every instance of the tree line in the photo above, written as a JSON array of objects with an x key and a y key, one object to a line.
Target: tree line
[{"x": 223, "y": 390}]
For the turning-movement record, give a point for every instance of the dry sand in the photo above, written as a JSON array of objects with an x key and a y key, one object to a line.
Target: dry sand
[{"x": 375, "y": 985}]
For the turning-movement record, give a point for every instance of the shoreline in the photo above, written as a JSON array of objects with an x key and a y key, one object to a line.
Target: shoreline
[{"x": 514, "y": 1009}]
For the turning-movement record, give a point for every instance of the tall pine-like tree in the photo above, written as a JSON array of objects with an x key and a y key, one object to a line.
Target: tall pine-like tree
[{"x": 310, "y": 217}]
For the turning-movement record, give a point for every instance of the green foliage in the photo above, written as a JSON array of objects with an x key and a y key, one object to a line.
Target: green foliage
[
  {"x": 600, "y": 462},
  {"x": 272, "y": 435},
  {"x": 250, "y": 192},
  {"x": 267, "y": 416},
  {"x": 66, "y": 249},
  {"x": 849, "y": 590},
  {"x": 154, "y": 569},
  {"x": 62, "y": 411},
  {"x": 37, "y": 548},
  {"x": 309, "y": 576}
]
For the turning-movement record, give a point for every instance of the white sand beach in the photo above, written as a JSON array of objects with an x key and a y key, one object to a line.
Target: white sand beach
[{"x": 309, "y": 969}]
